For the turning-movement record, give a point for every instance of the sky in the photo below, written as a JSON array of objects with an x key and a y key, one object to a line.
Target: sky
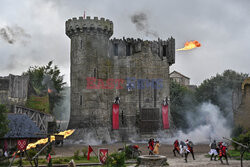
[{"x": 35, "y": 32}]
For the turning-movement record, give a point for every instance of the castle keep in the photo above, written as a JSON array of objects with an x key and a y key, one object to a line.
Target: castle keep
[{"x": 134, "y": 70}]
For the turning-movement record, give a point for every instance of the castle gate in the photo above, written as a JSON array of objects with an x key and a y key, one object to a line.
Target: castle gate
[{"x": 150, "y": 120}]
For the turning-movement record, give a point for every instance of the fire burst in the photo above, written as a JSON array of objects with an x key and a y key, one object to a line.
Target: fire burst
[
  {"x": 49, "y": 90},
  {"x": 52, "y": 138},
  {"x": 190, "y": 45}
]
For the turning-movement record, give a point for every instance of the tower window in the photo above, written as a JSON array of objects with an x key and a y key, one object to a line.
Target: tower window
[
  {"x": 116, "y": 49},
  {"x": 80, "y": 100},
  {"x": 128, "y": 50},
  {"x": 95, "y": 73},
  {"x": 164, "y": 48}
]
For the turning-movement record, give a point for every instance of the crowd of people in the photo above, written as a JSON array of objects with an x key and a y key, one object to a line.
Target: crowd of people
[{"x": 184, "y": 148}]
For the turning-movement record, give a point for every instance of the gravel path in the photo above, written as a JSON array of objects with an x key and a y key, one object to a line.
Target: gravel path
[{"x": 200, "y": 151}]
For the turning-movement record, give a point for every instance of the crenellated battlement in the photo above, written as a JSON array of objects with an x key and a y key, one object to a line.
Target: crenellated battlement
[{"x": 88, "y": 25}]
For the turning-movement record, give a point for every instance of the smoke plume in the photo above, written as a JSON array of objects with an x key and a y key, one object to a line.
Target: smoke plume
[
  {"x": 62, "y": 109},
  {"x": 14, "y": 34},
  {"x": 141, "y": 22},
  {"x": 206, "y": 124},
  {"x": 47, "y": 81}
]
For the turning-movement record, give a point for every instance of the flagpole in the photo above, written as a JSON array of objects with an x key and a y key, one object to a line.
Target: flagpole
[{"x": 93, "y": 151}]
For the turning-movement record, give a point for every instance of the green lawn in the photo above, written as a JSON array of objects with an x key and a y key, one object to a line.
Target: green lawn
[{"x": 236, "y": 155}]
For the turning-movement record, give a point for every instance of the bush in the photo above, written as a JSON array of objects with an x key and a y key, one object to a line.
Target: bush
[
  {"x": 116, "y": 159},
  {"x": 243, "y": 139},
  {"x": 84, "y": 152},
  {"x": 76, "y": 155},
  {"x": 32, "y": 152},
  {"x": 237, "y": 131}
]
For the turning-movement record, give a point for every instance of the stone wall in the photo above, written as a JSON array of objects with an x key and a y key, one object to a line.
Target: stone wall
[
  {"x": 242, "y": 114},
  {"x": 14, "y": 89}
]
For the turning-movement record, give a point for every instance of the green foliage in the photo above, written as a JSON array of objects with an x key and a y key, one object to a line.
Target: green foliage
[
  {"x": 76, "y": 155},
  {"x": 44, "y": 77},
  {"x": 128, "y": 153},
  {"x": 237, "y": 131},
  {"x": 116, "y": 160},
  {"x": 219, "y": 89},
  {"x": 58, "y": 161},
  {"x": 3, "y": 120},
  {"x": 243, "y": 139},
  {"x": 84, "y": 152},
  {"x": 32, "y": 152},
  {"x": 182, "y": 101},
  {"x": 236, "y": 154},
  {"x": 38, "y": 103}
]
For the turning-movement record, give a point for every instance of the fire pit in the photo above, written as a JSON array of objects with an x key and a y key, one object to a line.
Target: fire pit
[{"x": 151, "y": 160}]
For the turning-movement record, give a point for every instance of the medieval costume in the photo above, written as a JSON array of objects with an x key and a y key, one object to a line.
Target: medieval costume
[
  {"x": 151, "y": 143},
  {"x": 176, "y": 147},
  {"x": 183, "y": 149},
  {"x": 156, "y": 148},
  {"x": 213, "y": 150},
  {"x": 190, "y": 146},
  {"x": 223, "y": 152}
]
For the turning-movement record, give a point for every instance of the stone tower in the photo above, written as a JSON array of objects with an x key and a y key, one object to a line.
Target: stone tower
[
  {"x": 89, "y": 43},
  {"x": 134, "y": 68}
]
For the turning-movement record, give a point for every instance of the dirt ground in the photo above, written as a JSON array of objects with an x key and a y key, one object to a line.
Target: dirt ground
[{"x": 200, "y": 151}]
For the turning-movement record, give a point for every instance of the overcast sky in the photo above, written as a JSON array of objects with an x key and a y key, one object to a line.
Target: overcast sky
[{"x": 36, "y": 32}]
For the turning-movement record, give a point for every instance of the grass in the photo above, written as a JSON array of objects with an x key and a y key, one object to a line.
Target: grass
[{"x": 236, "y": 155}]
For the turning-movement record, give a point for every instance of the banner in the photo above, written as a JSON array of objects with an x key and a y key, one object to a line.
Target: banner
[
  {"x": 165, "y": 117},
  {"x": 115, "y": 114},
  {"x": 103, "y": 155},
  {"x": 22, "y": 144},
  {"x": 90, "y": 149}
]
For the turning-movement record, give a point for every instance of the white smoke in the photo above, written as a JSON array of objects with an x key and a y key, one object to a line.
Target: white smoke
[
  {"x": 206, "y": 124},
  {"x": 62, "y": 109},
  {"x": 91, "y": 136}
]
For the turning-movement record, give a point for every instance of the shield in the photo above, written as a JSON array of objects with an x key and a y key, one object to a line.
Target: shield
[
  {"x": 22, "y": 144},
  {"x": 103, "y": 155}
]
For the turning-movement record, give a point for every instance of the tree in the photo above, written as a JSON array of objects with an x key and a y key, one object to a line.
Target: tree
[
  {"x": 182, "y": 101},
  {"x": 3, "y": 120},
  {"x": 47, "y": 79},
  {"x": 218, "y": 90}
]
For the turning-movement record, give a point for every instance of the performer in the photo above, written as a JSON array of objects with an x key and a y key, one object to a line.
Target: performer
[
  {"x": 223, "y": 152},
  {"x": 190, "y": 146},
  {"x": 184, "y": 149},
  {"x": 176, "y": 147},
  {"x": 213, "y": 150},
  {"x": 156, "y": 149},
  {"x": 151, "y": 143}
]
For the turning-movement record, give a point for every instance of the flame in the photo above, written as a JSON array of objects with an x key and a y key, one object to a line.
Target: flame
[
  {"x": 52, "y": 138},
  {"x": 190, "y": 45},
  {"x": 49, "y": 90}
]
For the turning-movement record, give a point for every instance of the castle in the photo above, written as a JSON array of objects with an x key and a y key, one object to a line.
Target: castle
[{"x": 133, "y": 70}]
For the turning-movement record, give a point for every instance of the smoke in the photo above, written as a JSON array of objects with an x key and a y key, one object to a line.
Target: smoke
[
  {"x": 13, "y": 34},
  {"x": 92, "y": 136},
  {"x": 47, "y": 81},
  {"x": 62, "y": 109},
  {"x": 206, "y": 124},
  {"x": 141, "y": 22}
]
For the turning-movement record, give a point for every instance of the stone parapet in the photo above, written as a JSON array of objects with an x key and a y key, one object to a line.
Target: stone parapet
[{"x": 75, "y": 26}]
